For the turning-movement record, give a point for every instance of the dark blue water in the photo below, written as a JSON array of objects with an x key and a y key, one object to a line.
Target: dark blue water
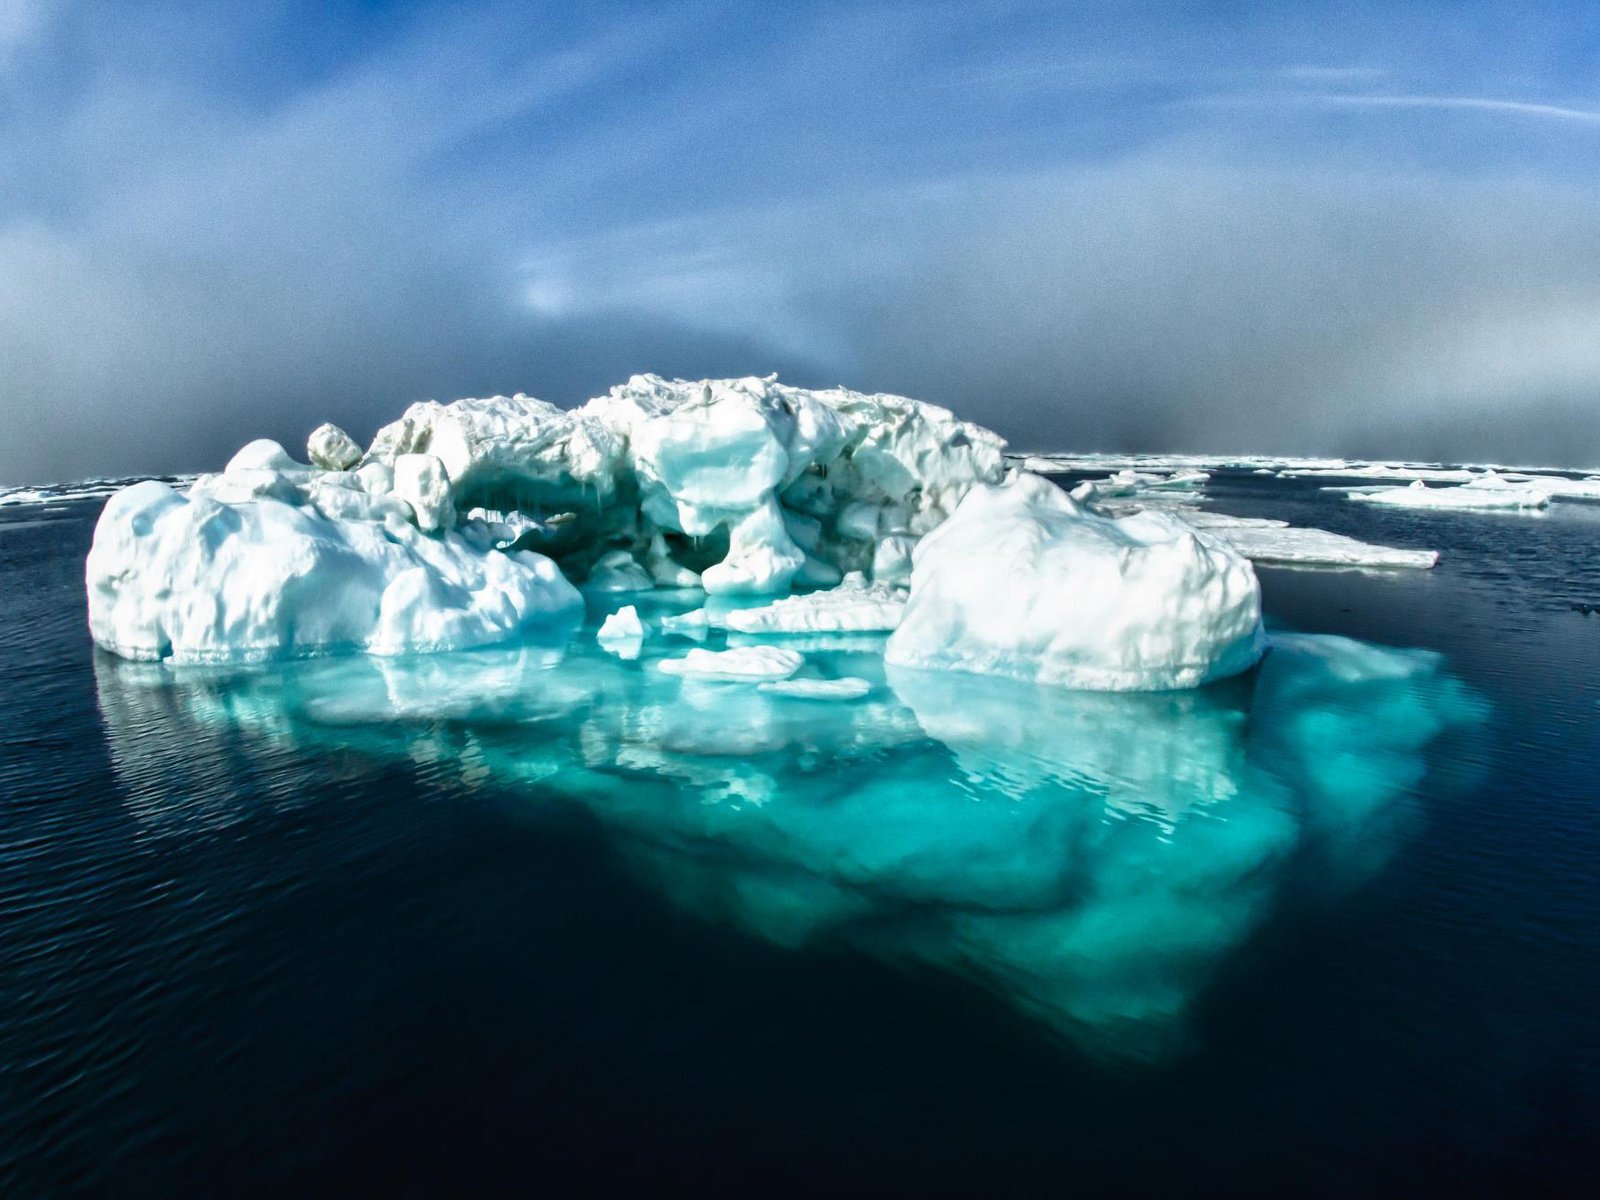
[{"x": 335, "y": 928}]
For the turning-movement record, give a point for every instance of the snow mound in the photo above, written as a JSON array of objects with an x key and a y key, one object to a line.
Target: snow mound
[
  {"x": 255, "y": 564},
  {"x": 740, "y": 663},
  {"x": 1024, "y": 582}
]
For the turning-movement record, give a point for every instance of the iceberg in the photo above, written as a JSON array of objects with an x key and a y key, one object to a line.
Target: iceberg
[
  {"x": 1025, "y": 582},
  {"x": 742, "y": 487},
  {"x": 332, "y": 449}
]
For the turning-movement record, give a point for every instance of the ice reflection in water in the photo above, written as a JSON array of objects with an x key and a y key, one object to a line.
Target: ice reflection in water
[{"x": 1093, "y": 859}]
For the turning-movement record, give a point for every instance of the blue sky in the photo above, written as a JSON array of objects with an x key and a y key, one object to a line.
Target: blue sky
[{"x": 1360, "y": 229}]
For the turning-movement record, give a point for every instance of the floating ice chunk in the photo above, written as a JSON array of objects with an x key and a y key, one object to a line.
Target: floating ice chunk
[
  {"x": 422, "y": 482},
  {"x": 855, "y": 606},
  {"x": 741, "y": 663},
  {"x": 618, "y": 571},
  {"x": 1022, "y": 581},
  {"x": 196, "y": 579},
  {"x": 848, "y": 687},
  {"x": 622, "y": 633},
  {"x": 1420, "y": 495},
  {"x": 1387, "y": 471},
  {"x": 1556, "y": 487},
  {"x": 332, "y": 449},
  {"x": 621, "y": 626}
]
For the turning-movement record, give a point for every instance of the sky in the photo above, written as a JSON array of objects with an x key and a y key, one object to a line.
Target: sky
[{"x": 1346, "y": 228}]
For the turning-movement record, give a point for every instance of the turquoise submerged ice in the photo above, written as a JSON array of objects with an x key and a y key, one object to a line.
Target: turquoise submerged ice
[{"x": 1094, "y": 860}]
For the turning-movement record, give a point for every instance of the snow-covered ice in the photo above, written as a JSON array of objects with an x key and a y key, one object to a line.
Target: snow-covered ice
[
  {"x": 1466, "y": 496},
  {"x": 1278, "y": 543},
  {"x": 622, "y": 633},
  {"x": 1023, "y": 581},
  {"x": 742, "y": 486},
  {"x": 854, "y": 606},
  {"x": 745, "y": 487},
  {"x": 257, "y": 564},
  {"x": 738, "y": 663},
  {"x": 1384, "y": 472}
]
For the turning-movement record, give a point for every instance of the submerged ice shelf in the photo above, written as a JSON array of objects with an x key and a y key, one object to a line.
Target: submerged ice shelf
[{"x": 1093, "y": 860}]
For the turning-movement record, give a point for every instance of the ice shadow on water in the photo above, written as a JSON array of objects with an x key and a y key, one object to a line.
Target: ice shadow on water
[{"x": 1092, "y": 859}]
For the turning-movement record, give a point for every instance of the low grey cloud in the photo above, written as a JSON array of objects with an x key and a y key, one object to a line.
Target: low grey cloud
[{"x": 467, "y": 208}]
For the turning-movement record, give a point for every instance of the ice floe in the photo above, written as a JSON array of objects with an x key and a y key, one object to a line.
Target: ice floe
[{"x": 1465, "y": 496}]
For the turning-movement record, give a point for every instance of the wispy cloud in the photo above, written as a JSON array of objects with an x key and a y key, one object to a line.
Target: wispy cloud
[
  {"x": 1483, "y": 104},
  {"x": 205, "y": 236},
  {"x": 1496, "y": 106}
]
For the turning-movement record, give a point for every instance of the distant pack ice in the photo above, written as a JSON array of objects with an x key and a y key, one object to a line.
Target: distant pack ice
[{"x": 462, "y": 525}]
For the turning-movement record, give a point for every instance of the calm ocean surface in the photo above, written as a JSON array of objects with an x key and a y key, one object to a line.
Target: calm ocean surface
[{"x": 537, "y": 920}]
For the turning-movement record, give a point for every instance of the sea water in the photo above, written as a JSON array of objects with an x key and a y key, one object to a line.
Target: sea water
[{"x": 540, "y": 916}]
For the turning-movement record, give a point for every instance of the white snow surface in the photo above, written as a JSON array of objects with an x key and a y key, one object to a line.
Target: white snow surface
[
  {"x": 258, "y": 563},
  {"x": 798, "y": 485},
  {"x": 855, "y": 606},
  {"x": 1466, "y": 496},
  {"x": 742, "y": 663},
  {"x": 1022, "y": 581},
  {"x": 1291, "y": 545},
  {"x": 741, "y": 486},
  {"x": 1270, "y": 541},
  {"x": 621, "y": 626}
]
